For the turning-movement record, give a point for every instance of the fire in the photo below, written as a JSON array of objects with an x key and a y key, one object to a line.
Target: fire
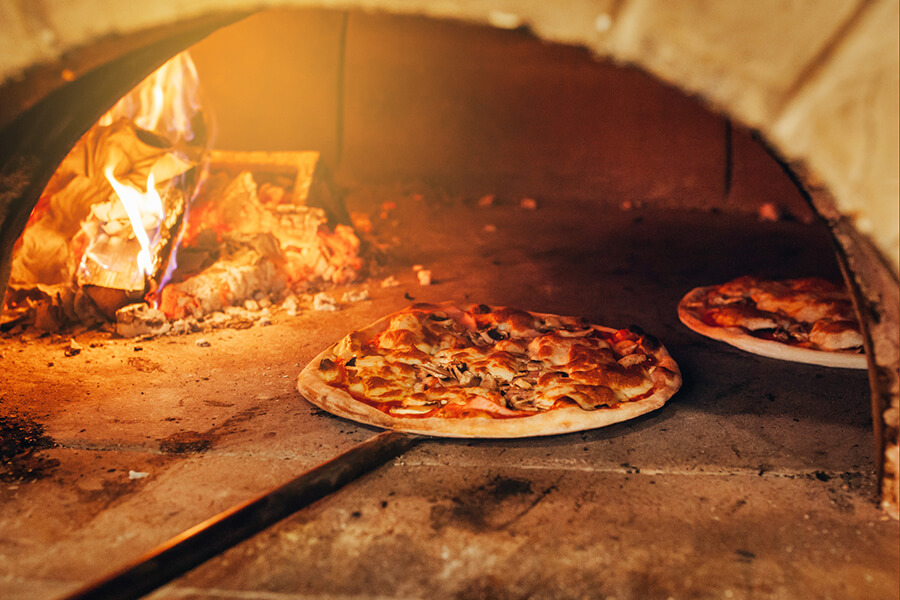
[
  {"x": 140, "y": 206},
  {"x": 171, "y": 231},
  {"x": 164, "y": 102}
]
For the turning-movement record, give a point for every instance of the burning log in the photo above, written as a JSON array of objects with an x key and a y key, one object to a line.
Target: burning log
[
  {"x": 80, "y": 235},
  {"x": 297, "y": 246},
  {"x": 48, "y": 307},
  {"x": 139, "y": 319},
  {"x": 307, "y": 178},
  {"x": 108, "y": 271},
  {"x": 226, "y": 283}
]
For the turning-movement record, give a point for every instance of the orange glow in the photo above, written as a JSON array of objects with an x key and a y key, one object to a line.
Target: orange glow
[{"x": 164, "y": 102}]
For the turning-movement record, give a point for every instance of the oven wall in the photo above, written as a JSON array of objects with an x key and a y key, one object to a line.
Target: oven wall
[{"x": 476, "y": 110}]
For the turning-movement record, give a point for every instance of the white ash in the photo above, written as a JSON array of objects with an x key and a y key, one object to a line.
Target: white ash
[
  {"x": 137, "y": 474},
  {"x": 355, "y": 295},
  {"x": 291, "y": 304},
  {"x": 424, "y": 276},
  {"x": 73, "y": 349},
  {"x": 135, "y": 320},
  {"x": 183, "y": 326},
  {"x": 390, "y": 282},
  {"x": 324, "y": 302},
  {"x": 203, "y": 343},
  {"x": 233, "y": 317},
  {"x": 251, "y": 305},
  {"x": 220, "y": 319},
  {"x": 231, "y": 282}
]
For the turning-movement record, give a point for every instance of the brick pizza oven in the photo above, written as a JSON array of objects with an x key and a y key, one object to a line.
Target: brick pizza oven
[{"x": 589, "y": 157}]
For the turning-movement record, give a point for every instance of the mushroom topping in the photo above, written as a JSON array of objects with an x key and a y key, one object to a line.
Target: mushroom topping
[
  {"x": 632, "y": 359},
  {"x": 519, "y": 399},
  {"x": 469, "y": 379},
  {"x": 488, "y": 382},
  {"x": 491, "y": 336},
  {"x": 799, "y": 331},
  {"x": 435, "y": 370},
  {"x": 522, "y": 383}
]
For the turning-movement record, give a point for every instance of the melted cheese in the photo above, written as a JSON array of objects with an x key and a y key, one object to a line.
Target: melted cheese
[
  {"x": 420, "y": 366},
  {"x": 835, "y": 335},
  {"x": 792, "y": 308}
]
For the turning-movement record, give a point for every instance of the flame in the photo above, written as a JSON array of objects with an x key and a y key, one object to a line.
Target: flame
[
  {"x": 164, "y": 102},
  {"x": 139, "y": 205}
]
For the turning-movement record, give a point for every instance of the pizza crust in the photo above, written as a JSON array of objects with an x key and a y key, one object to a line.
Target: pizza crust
[
  {"x": 739, "y": 338},
  {"x": 551, "y": 422}
]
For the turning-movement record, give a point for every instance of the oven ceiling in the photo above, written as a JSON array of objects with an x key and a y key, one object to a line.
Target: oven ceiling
[{"x": 818, "y": 78}]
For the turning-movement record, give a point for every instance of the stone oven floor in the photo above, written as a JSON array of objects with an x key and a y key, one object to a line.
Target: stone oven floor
[{"x": 755, "y": 481}]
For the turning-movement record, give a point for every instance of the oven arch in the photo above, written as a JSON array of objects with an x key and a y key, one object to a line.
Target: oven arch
[{"x": 827, "y": 104}]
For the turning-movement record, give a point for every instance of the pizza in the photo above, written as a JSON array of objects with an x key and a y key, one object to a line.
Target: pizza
[
  {"x": 494, "y": 372},
  {"x": 807, "y": 320}
]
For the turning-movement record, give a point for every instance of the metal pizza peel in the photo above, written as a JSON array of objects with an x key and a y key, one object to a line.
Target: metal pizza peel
[{"x": 191, "y": 548}]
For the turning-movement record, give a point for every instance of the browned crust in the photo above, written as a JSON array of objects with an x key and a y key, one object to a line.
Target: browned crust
[
  {"x": 692, "y": 318},
  {"x": 552, "y": 422}
]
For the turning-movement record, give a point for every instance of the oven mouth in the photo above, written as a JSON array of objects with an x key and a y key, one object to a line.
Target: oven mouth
[{"x": 713, "y": 200}]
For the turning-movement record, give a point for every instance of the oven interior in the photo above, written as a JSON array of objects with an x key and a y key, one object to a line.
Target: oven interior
[{"x": 518, "y": 173}]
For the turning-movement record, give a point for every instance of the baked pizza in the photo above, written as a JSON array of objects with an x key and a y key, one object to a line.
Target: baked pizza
[
  {"x": 808, "y": 320},
  {"x": 490, "y": 372}
]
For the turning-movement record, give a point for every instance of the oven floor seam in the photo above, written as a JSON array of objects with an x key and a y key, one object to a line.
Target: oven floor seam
[
  {"x": 193, "y": 592},
  {"x": 812, "y": 472},
  {"x": 821, "y": 474}
]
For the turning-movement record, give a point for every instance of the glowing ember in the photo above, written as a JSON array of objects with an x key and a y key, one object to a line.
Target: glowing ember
[{"x": 140, "y": 205}]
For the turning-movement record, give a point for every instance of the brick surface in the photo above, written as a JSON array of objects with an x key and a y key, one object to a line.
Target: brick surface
[
  {"x": 845, "y": 125},
  {"x": 504, "y": 114},
  {"x": 756, "y": 177},
  {"x": 20, "y": 44},
  {"x": 507, "y": 532},
  {"x": 743, "y": 56}
]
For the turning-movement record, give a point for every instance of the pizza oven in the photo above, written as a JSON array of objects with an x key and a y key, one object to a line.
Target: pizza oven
[{"x": 598, "y": 159}]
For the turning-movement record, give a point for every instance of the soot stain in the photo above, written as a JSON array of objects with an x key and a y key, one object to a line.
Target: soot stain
[
  {"x": 477, "y": 508},
  {"x": 21, "y": 440},
  {"x": 145, "y": 365},
  {"x": 194, "y": 442},
  {"x": 186, "y": 442}
]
